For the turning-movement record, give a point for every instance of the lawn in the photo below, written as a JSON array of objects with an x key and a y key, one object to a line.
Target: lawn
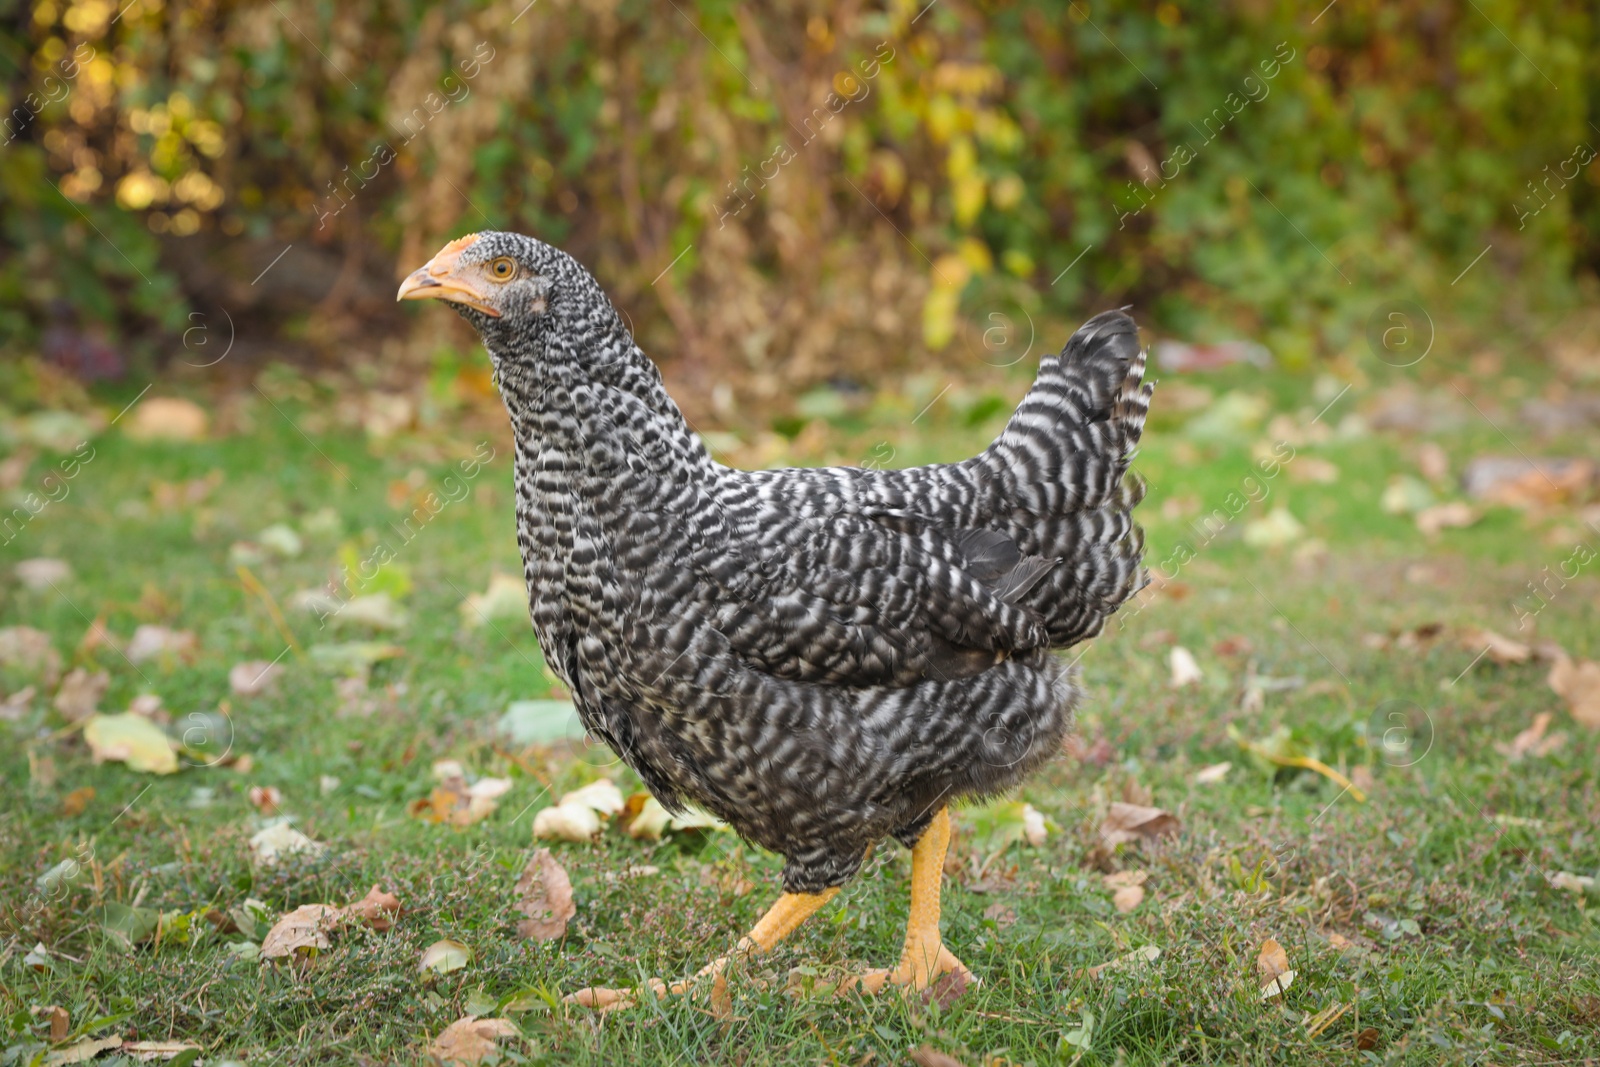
[{"x": 1413, "y": 881}]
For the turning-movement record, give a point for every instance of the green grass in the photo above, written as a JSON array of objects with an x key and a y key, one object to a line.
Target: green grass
[{"x": 1482, "y": 962}]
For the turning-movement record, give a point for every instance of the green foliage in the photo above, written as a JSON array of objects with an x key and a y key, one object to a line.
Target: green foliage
[{"x": 836, "y": 179}]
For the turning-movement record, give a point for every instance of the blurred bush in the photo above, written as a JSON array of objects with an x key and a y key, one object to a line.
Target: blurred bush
[{"x": 785, "y": 191}]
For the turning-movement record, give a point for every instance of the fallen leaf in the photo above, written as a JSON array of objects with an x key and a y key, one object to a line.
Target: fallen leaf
[
  {"x": 41, "y": 573},
  {"x": 131, "y": 739},
  {"x": 377, "y": 909},
  {"x": 377, "y": 611},
  {"x": 166, "y": 418},
  {"x": 1405, "y": 495},
  {"x": 1502, "y": 650},
  {"x": 1367, "y": 1039},
  {"x": 281, "y": 540},
  {"x": 566, "y": 822},
  {"x": 470, "y": 1040},
  {"x": 1034, "y": 828},
  {"x": 1185, "y": 671},
  {"x": 76, "y": 802},
  {"x": 506, "y": 599},
  {"x": 1211, "y": 773},
  {"x": 157, "y": 1050},
  {"x": 1576, "y": 883},
  {"x": 253, "y": 677},
  {"x": 60, "y": 1022},
  {"x": 1127, "y": 898},
  {"x": 1515, "y": 481},
  {"x": 15, "y": 706},
  {"x": 601, "y": 796},
  {"x": 1453, "y": 514},
  {"x": 1271, "y": 961},
  {"x": 1133, "y": 822},
  {"x": 1433, "y": 461},
  {"x": 1127, "y": 961},
  {"x": 544, "y": 895},
  {"x": 303, "y": 931},
  {"x": 266, "y": 798},
  {"x": 353, "y": 657},
  {"x": 280, "y": 840},
  {"x": 80, "y": 693},
  {"x": 83, "y": 1050},
  {"x": 1532, "y": 741},
  {"x": 445, "y": 956},
  {"x": 650, "y": 822},
  {"x": 31, "y": 653},
  {"x": 152, "y": 642},
  {"x": 38, "y": 958},
  {"x": 148, "y": 705},
  {"x": 1278, "y": 528},
  {"x": 1578, "y": 683},
  {"x": 1000, "y": 914},
  {"x": 539, "y": 722},
  {"x": 453, "y": 801},
  {"x": 129, "y": 925},
  {"x": 928, "y": 1056},
  {"x": 1272, "y": 965}
]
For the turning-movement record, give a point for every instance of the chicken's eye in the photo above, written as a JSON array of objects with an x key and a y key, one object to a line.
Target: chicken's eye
[{"x": 502, "y": 269}]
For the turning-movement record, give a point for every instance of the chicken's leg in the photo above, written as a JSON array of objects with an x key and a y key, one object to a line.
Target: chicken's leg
[
  {"x": 925, "y": 958},
  {"x": 781, "y": 920}
]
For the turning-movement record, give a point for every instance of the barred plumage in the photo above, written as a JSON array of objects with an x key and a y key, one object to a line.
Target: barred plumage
[{"x": 820, "y": 657}]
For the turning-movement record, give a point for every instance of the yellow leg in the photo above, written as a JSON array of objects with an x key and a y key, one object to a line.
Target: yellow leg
[
  {"x": 781, "y": 920},
  {"x": 924, "y": 958}
]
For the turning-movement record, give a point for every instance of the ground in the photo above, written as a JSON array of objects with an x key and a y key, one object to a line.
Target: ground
[{"x": 1421, "y": 923}]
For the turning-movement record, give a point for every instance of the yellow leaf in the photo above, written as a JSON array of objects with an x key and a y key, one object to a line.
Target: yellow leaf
[{"x": 131, "y": 739}]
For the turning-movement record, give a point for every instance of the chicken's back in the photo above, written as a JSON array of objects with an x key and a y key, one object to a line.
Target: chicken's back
[{"x": 1044, "y": 515}]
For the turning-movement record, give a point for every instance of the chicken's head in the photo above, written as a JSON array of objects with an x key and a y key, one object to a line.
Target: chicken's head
[{"x": 488, "y": 276}]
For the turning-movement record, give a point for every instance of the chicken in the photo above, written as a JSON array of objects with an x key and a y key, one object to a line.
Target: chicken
[{"x": 823, "y": 658}]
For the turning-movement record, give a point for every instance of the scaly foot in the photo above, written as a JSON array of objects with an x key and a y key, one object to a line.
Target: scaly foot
[{"x": 917, "y": 970}]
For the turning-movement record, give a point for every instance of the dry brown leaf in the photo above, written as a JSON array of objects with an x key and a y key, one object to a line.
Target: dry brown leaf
[
  {"x": 156, "y": 1050},
  {"x": 80, "y": 693},
  {"x": 266, "y": 798},
  {"x": 1273, "y": 967},
  {"x": 158, "y": 642},
  {"x": 252, "y": 677},
  {"x": 304, "y": 931},
  {"x": 30, "y": 651},
  {"x": 544, "y": 895},
  {"x": 1340, "y": 942},
  {"x": 1134, "y": 822},
  {"x": 1431, "y": 520},
  {"x": 83, "y": 1050},
  {"x": 77, "y": 802},
  {"x": 1271, "y": 961},
  {"x": 928, "y": 1056},
  {"x": 167, "y": 418},
  {"x": 1127, "y": 898},
  {"x": 1532, "y": 741},
  {"x": 453, "y": 801},
  {"x": 377, "y": 909},
  {"x": 60, "y": 1022},
  {"x": 470, "y": 1040},
  {"x": 1502, "y": 650},
  {"x": 1578, "y": 683}
]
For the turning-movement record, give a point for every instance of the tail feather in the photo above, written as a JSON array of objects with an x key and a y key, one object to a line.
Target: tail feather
[{"x": 1061, "y": 470}]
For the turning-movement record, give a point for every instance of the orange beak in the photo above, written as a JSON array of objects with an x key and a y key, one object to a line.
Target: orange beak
[{"x": 437, "y": 279}]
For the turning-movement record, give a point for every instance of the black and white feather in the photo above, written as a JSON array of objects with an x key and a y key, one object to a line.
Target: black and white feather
[{"x": 820, "y": 657}]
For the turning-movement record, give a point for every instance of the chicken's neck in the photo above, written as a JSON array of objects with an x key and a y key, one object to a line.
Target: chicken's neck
[{"x": 589, "y": 392}]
